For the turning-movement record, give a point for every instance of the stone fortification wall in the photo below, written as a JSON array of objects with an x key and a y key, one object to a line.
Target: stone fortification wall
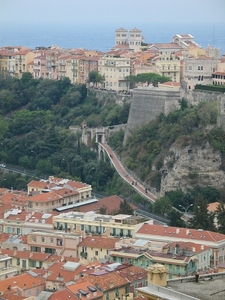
[
  {"x": 148, "y": 103},
  {"x": 118, "y": 98}
]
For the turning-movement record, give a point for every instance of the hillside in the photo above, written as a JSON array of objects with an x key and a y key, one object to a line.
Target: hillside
[
  {"x": 35, "y": 115},
  {"x": 178, "y": 151}
]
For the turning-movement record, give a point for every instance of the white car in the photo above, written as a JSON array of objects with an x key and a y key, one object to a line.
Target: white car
[{"x": 2, "y": 165}]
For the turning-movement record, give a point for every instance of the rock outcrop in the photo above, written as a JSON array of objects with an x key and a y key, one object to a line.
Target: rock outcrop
[{"x": 185, "y": 167}]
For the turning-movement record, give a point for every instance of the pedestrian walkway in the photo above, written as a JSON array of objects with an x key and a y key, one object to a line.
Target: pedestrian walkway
[{"x": 127, "y": 177}]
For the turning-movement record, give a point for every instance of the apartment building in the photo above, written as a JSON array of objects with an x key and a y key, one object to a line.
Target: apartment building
[
  {"x": 73, "y": 68},
  {"x": 69, "y": 191},
  {"x": 86, "y": 65},
  {"x": 22, "y": 59},
  {"x": 218, "y": 77},
  {"x": 168, "y": 65},
  {"x": 213, "y": 240},
  {"x": 62, "y": 65},
  {"x": 95, "y": 248},
  {"x": 97, "y": 224},
  {"x": 26, "y": 260},
  {"x": 115, "y": 280},
  {"x": 6, "y": 268},
  {"x": 7, "y": 62},
  {"x": 180, "y": 259},
  {"x": 115, "y": 70},
  {"x": 39, "y": 67},
  {"x": 64, "y": 244},
  {"x": 198, "y": 70},
  {"x": 27, "y": 285}
]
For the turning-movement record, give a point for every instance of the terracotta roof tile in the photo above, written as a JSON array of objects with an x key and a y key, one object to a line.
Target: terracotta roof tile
[
  {"x": 184, "y": 233},
  {"x": 99, "y": 242},
  {"x": 20, "y": 281},
  {"x": 85, "y": 286},
  {"x": 112, "y": 204},
  {"x": 62, "y": 295}
]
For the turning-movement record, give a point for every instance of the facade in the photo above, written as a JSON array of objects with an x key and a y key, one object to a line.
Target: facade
[
  {"x": 22, "y": 59},
  {"x": 7, "y": 62},
  {"x": 198, "y": 71},
  {"x": 6, "y": 268},
  {"x": 135, "y": 39},
  {"x": 39, "y": 67},
  {"x": 168, "y": 65},
  {"x": 213, "y": 240},
  {"x": 53, "y": 243},
  {"x": 87, "y": 64},
  {"x": 97, "y": 224},
  {"x": 73, "y": 69},
  {"x": 115, "y": 69},
  {"x": 121, "y": 36},
  {"x": 219, "y": 74},
  {"x": 95, "y": 248}
]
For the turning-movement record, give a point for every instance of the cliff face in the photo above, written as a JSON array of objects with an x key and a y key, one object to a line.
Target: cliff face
[{"x": 185, "y": 167}]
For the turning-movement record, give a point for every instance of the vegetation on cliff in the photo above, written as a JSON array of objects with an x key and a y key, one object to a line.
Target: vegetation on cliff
[{"x": 35, "y": 115}]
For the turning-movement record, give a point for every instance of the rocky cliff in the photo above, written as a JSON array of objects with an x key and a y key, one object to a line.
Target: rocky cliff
[{"x": 185, "y": 167}]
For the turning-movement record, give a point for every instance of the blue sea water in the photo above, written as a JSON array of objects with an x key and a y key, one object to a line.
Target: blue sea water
[{"x": 102, "y": 36}]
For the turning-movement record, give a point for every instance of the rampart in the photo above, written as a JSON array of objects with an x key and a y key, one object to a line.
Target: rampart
[{"x": 147, "y": 103}]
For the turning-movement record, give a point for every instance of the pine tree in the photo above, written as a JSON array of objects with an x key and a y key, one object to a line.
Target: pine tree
[{"x": 203, "y": 219}]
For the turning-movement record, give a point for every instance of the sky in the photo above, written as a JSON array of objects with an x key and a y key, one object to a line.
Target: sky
[{"x": 121, "y": 12}]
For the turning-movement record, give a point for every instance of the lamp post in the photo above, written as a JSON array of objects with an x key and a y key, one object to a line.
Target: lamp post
[{"x": 186, "y": 208}]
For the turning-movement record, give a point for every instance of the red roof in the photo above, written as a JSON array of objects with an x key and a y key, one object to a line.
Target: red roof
[{"x": 181, "y": 233}]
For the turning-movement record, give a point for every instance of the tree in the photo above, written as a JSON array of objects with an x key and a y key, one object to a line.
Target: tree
[
  {"x": 203, "y": 219},
  {"x": 175, "y": 218},
  {"x": 220, "y": 215},
  {"x": 95, "y": 77},
  {"x": 162, "y": 206},
  {"x": 125, "y": 208}
]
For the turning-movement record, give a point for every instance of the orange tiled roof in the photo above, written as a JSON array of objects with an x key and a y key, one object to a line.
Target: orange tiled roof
[
  {"x": 184, "y": 233},
  {"x": 74, "y": 288},
  {"x": 107, "y": 281},
  {"x": 38, "y": 184},
  {"x": 58, "y": 273},
  {"x": 44, "y": 197},
  {"x": 20, "y": 281},
  {"x": 99, "y": 242},
  {"x": 213, "y": 206},
  {"x": 62, "y": 295},
  {"x": 112, "y": 204},
  {"x": 198, "y": 248},
  {"x": 76, "y": 184}
]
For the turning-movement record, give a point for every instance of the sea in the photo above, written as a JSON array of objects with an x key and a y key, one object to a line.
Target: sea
[{"x": 101, "y": 36}]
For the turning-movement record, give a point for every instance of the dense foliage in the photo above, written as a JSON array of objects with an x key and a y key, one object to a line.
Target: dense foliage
[{"x": 35, "y": 115}]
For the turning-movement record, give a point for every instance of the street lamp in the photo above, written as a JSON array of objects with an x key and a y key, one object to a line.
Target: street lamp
[{"x": 185, "y": 208}]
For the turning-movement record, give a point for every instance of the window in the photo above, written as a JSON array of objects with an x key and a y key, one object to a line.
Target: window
[
  {"x": 201, "y": 67},
  {"x": 43, "y": 239},
  {"x": 33, "y": 239},
  {"x": 74, "y": 226},
  {"x": 96, "y": 253},
  {"x": 52, "y": 240},
  {"x": 81, "y": 227}
]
